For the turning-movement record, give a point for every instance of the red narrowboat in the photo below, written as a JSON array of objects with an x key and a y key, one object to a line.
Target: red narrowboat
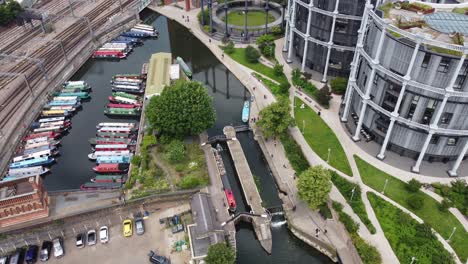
[
  {"x": 42, "y": 134},
  {"x": 231, "y": 200},
  {"x": 111, "y": 168},
  {"x": 108, "y": 54},
  {"x": 128, "y": 106}
]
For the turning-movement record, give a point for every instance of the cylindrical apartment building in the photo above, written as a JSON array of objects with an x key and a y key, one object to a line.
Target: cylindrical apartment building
[
  {"x": 407, "y": 87},
  {"x": 321, "y": 34}
]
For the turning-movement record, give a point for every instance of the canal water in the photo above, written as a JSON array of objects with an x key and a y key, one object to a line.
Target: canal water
[{"x": 73, "y": 168}]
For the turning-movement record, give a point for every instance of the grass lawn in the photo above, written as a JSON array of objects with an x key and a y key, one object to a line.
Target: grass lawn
[
  {"x": 254, "y": 18},
  {"x": 239, "y": 56},
  {"x": 442, "y": 222},
  {"x": 321, "y": 138},
  {"x": 406, "y": 236}
]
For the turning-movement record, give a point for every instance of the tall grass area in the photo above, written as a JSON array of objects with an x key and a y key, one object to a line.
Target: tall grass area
[
  {"x": 442, "y": 222},
  {"x": 320, "y": 137},
  {"x": 294, "y": 154},
  {"x": 406, "y": 236},
  {"x": 346, "y": 189}
]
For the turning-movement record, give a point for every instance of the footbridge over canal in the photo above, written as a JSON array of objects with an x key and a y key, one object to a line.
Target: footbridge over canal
[{"x": 260, "y": 223}]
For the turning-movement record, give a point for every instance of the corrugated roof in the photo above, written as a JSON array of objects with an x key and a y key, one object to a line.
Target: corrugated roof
[{"x": 158, "y": 73}]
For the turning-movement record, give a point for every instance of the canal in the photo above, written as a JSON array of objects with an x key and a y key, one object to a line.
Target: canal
[{"x": 73, "y": 167}]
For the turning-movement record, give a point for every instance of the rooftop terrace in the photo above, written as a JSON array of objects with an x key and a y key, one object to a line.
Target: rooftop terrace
[{"x": 158, "y": 73}]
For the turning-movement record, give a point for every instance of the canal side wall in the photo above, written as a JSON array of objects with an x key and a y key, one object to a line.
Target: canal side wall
[{"x": 76, "y": 59}]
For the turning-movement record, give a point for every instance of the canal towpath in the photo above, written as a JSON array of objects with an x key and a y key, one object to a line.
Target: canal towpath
[{"x": 263, "y": 97}]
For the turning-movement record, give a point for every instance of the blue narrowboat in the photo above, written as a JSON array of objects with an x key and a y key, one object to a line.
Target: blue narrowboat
[
  {"x": 113, "y": 160},
  {"x": 42, "y": 161},
  {"x": 246, "y": 111}
]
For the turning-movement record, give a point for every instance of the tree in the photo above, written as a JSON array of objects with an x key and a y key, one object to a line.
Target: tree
[
  {"x": 413, "y": 185},
  {"x": 251, "y": 54},
  {"x": 314, "y": 185},
  {"x": 275, "y": 118},
  {"x": 278, "y": 69},
  {"x": 415, "y": 201},
  {"x": 338, "y": 85},
  {"x": 229, "y": 47},
  {"x": 323, "y": 96},
  {"x": 220, "y": 253},
  {"x": 266, "y": 44},
  {"x": 175, "y": 151},
  {"x": 182, "y": 109}
]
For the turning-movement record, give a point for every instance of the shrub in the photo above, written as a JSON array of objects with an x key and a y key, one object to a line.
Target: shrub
[
  {"x": 266, "y": 45},
  {"x": 229, "y": 48},
  {"x": 206, "y": 28},
  {"x": 175, "y": 151},
  {"x": 276, "y": 30},
  {"x": 413, "y": 185},
  {"x": 415, "y": 201},
  {"x": 445, "y": 205},
  {"x": 294, "y": 154},
  {"x": 338, "y": 85},
  {"x": 189, "y": 182},
  {"x": 268, "y": 51},
  {"x": 323, "y": 96},
  {"x": 8, "y": 12},
  {"x": 278, "y": 69},
  {"x": 284, "y": 88},
  {"x": 325, "y": 211},
  {"x": 347, "y": 221},
  {"x": 206, "y": 17},
  {"x": 251, "y": 54},
  {"x": 368, "y": 253},
  {"x": 136, "y": 160}
]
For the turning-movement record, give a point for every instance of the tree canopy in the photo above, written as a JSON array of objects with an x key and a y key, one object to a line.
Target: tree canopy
[
  {"x": 182, "y": 109},
  {"x": 275, "y": 118},
  {"x": 314, "y": 185},
  {"x": 220, "y": 253},
  {"x": 9, "y": 11}
]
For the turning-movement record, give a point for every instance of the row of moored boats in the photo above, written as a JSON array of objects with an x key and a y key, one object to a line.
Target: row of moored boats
[
  {"x": 39, "y": 147},
  {"x": 121, "y": 46},
  {"x": 126, "y": 98}
]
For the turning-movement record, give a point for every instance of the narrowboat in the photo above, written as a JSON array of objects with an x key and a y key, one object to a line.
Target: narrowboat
[
  {"x": 116, "y": 124},
  {"x": 29, "y": 149},
  {"x": 146, "y": 33},
  {"x": 100, "y": 186},
  {"x": 144, "y": 26},
  {"x": 51, "y": 135},
  {"x": 111, "y": 141},
  {"x": 127, "y": 75},
  {"x": 73, "y": 103},
  {"x": 224, "y": 179},
  {"x": 39, "y": 154},
  {"x": 66, "y": 98},
  {"x": 127, "y": 88},
  {"x": 127, "y": 80},
  {"x": 123, "y": 100},
  {"x": 95, "y": 155},
  {"x": 75, "y": 90},
  {"x": 184, "y": 66},
  {"x": 42, "y": 161},
  {"x": 109, "y": 178},
  {"x": 111, "y": 168},
  {"x": 136, "y": 34},
  {"x": 124, "y": 83},
  {"x": 66, "y": 123},
  {"x": 230, "y": 199},
  {"x": 134, "y": 41},
  {"x": 127, "y": 95},
  {"x": 109, "y": 45},
  {"x": 81, "y": 95},
  {"x": 126, "y": 106},
  {"x": 114, "y": 135},
  {"x": 127, "y": 130},
  {"x": 42, "y": 139},
  {"x": 111, "y": 147},
  {"x": 121, "y": 112},
  {"x": 52, "y": 119},
  {"x": 112, "y": 54},
  {"x": 59, "y": 129},
  {"x": 69, "y": 108},
  {"x": 30, "y": 171},
  {"x": 113, "y": 160},
  {"x": 246, "y": 111},
  {"x": 54, "y": 113},
  {"x": 70, "y": 84}
]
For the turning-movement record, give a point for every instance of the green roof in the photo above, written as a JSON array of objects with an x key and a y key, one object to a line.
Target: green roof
[{"x": 158, "y": 73}]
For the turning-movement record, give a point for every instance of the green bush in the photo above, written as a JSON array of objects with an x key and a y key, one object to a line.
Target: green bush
[
  {"x": 346, "y": 188},
  {"x": 189, "y": 182},
  {"x": 457, "y": 193},
  {"x": 294, "y": 154},
  {"x": 229, "y": 47},
  {"x": 413, "y": 185},
  {"x": 9, "y": 11},
  {"x": 148, "y": 141},
  {"x": 347, "y": 221},
  {"x": 368, "y": 253},
  {"x": 175, "y": 151},
  {"x": 415, "y": 201},
  {"x": 251, "y": 54},
  {"x": 206, "y": 17},
  {"x": 266, "y": 44},
  {"x": 325, "y": 211},
  {"x": 136, "y": 160},
  {"x": 276, "y": 30},
  {"x": 338, "y": 85},
  {"x": 323, "y": 96},
  {"x": 406, "y": 236},
  {"x": 278, "y": 69},
  {"x": 445, "y": 205}
]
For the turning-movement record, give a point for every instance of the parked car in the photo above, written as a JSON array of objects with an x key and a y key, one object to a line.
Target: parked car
[
  {"x": 127, "y": 228},
  {"x": 17, "y": 257},
  {"x": 156, "y": 259},
  {"x": 104, "y": 234},
  {"x": 58, "y": 247},
  {"x": 139, "y": 226},
  {"x": 80, "y": 240},
  {"x": 46, "y": 247},
  {"x": 31, "y": 254},
  {"x": 3, "y": 260},
  {"x": 91, "y": 237}
]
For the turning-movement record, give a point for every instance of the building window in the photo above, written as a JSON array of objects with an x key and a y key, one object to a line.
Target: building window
[
  {"x": 452, "y": 141},
  {"x": 446, "y": 118},
  {"x": 426, "y": 60},
  {"x": 460, "y": 81},
  {"x": 431, "y": 105},
  {"x": 412, "y": 107},
  {"x": 341, "y": 25},
  {"x": 443, "y": 65},
  {"x": 434, "y": 140}
]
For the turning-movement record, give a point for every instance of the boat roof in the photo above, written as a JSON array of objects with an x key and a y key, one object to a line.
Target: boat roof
[{"x": 158, "y": 73}]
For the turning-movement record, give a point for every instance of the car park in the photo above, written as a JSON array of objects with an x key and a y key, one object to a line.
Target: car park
[
  {"x": 46, "y": 247},
  {"x": 104, "y": 234},
  {"x": 80, "y": 240},
  {"x": 127, "y": 228},
  {"x": 139, "y": 226},
  {"x": 58, "y": 247},
  {"x": 31, "y": 254},
  {"x": 91, "y": 237}
]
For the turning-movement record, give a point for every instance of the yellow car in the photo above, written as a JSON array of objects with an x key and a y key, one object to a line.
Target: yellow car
[{"x": 127, "y": 228}]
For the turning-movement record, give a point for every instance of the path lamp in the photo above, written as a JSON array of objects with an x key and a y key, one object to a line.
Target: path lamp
[
  {"x": 303, "y": 127},
  {"x": 246, "y": 37},
  {"x": 267, "y": 8},
  {"x": 226, "y": 34},
  {"x": 453, "y": 231},
  {"x": 328, "y": 155},
  {"x": 385, "y": 186},
  {"x": 283, "y": 4},
  {"x": 202, "y": 14},
  {"x": 352, "y": 194},
  {"x": 210, "y": 7}
]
